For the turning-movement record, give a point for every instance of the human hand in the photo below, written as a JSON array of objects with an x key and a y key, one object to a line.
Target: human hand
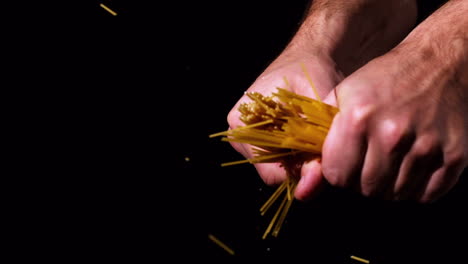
[
  {"x": 325, "y": 76},
  {"x": 402, "y": 129}
]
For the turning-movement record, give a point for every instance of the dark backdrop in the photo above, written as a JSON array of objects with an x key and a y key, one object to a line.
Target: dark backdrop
[{"x": 137, "y": 95}]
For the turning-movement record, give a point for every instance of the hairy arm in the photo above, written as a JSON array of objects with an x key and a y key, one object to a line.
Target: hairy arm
[{"x": 353, "y": 32}]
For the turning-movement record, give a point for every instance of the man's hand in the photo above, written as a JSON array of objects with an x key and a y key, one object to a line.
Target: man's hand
[
  {"x": 402, "y": 130},
  {"x": 325, "y": 77}
]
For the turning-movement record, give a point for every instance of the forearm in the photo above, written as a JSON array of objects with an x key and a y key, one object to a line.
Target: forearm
[
  {"x": 444, "y": 34},
  {"x": 439, "y": 48},
  {"x": 354, "y": 31}
]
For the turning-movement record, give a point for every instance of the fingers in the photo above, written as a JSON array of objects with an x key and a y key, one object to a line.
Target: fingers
[
  {"x": 344, "y": 150},
  {"x": 388, "y": 144},
  {"x": 424, "y": 158},
  {"x": 439, "y": 184},
  {"x": 311, "y": 181},
  {"x": 379, "y": 171},
  {"x": 443, "y": 179},
  {"x": 383, "y": 156},
  {"x": 271, "y": 173}
]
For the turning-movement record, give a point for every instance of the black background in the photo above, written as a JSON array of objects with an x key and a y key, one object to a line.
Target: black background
[{"x": 131, "y": 100}]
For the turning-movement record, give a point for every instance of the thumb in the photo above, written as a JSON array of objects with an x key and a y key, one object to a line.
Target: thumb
[{"x": 311, "y": 181}]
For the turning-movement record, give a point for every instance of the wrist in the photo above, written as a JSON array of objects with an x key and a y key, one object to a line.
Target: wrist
[{"x": 352, "y": 32}]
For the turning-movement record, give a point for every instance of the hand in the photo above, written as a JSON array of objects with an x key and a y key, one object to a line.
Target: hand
[
  {"x": 402, "y": 129},
  {"x": 325, "y": 77}
]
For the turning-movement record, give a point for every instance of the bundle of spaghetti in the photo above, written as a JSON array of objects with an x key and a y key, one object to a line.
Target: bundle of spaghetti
[{"x": 285, "y": 128}]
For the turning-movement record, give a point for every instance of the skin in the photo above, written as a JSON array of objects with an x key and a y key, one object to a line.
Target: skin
[{"x": 401, "y": 89}]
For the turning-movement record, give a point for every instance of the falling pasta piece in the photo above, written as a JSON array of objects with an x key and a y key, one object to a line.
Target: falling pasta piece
[
  {"x": 112, "y": 12},
  {"x": 360, "y": 259},
  {"x": 285, "y": 128},
  {"x": 221, "y": 244}
]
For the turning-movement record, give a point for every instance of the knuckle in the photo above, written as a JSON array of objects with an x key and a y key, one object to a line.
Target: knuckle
[
  {"x": 426, "y": 145},
  {"x": 334, "y": 177},
  {"x": 359, "y": 117},
  {"x": 392, "y": 133}
]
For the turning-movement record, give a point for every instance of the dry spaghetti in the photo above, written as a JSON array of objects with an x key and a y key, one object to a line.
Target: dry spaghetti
[{"x": 284, "y": 127}]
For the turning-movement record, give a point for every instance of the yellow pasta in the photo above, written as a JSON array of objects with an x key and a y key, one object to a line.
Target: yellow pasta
[
  {"x": 221, "y": 244},
  {"x": 360, "y": 259},
  {"x": 281, "y": 128}
]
